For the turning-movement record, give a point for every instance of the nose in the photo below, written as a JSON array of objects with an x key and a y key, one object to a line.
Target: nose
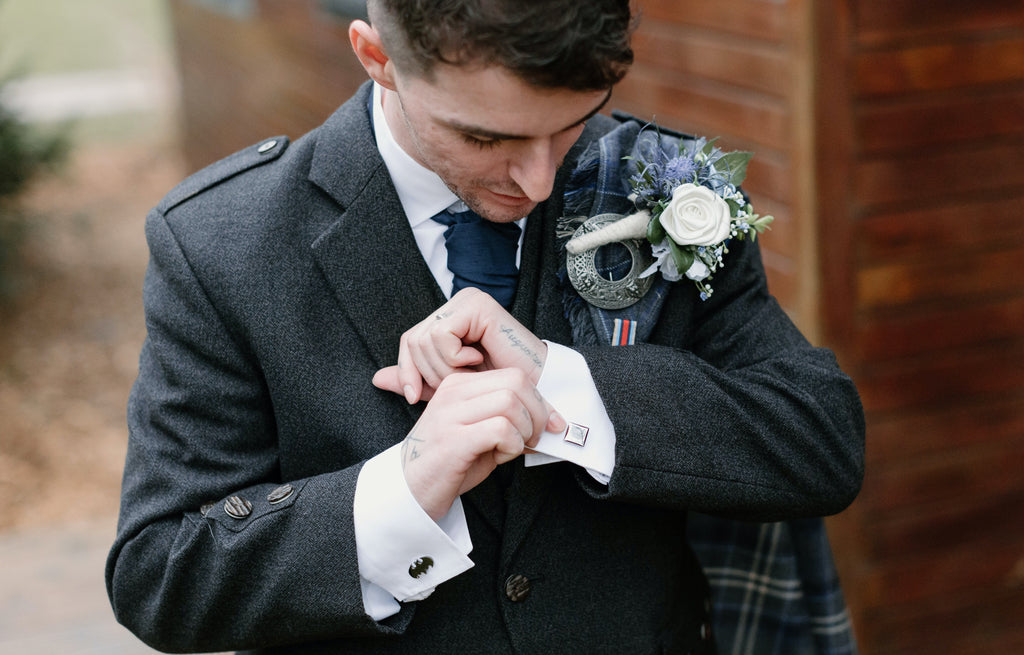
[{"x": 533, "y": 168}]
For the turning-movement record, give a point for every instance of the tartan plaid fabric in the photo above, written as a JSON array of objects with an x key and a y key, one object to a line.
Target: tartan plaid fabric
[{"x": 774, "y": 585}]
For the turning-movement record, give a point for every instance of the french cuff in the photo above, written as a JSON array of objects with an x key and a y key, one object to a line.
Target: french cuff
[
  {"x": 399, "y": 547},
  {"x": 589, "y": 439}
]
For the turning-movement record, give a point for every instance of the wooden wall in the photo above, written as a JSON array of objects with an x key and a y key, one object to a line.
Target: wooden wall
[
  {"x": 921, "y": 147},
  {"x": 889, "y": 143}
]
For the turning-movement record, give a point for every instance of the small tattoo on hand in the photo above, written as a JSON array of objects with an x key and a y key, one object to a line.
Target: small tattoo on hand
[
  {"x": 518, "y": 344},
  {"x": 410, "y": 450}
]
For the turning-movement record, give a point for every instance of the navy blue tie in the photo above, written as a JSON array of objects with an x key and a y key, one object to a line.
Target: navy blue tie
[{"x": 481, "y": 254}]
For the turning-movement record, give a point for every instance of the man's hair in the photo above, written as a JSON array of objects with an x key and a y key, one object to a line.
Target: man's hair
[{"x": 581, "y": 45}]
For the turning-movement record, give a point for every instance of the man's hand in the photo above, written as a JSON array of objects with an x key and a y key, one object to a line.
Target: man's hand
[
  {"x": 469, "y": 332},
  {"x": 478, "y": 367},
  {"x": 474, "y": 422}
]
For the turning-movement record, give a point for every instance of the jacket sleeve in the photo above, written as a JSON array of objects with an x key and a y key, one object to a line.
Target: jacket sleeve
[
  {"x": 207, "y": 555},
  {"x": 728, "y": 410}
]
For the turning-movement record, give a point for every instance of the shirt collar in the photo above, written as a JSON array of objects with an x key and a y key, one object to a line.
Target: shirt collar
[{"x": 420, "y": 190}]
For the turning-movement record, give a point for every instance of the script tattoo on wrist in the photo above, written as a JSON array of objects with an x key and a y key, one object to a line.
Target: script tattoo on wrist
[
  {"x": 410, "y": 450},
  {"x": 518, "y": 344}
]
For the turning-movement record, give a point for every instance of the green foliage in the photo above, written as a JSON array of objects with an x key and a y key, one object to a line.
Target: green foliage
[{"x": 24, "y": 154}]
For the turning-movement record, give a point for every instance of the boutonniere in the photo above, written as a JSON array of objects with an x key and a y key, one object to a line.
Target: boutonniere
[{"x": 688, "y": 207}]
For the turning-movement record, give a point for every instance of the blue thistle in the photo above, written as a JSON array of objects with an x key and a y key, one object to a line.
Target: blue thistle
[{"x": 679, "y": 169}]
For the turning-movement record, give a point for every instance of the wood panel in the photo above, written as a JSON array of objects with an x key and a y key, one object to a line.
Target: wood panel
[
  {"x": 962, "y": 624},
  {"x": 981, "y": 474},
  {"x": 942, "y": 227},
  {"x": 961, "y": 64},
  {"x": 705, "y": 108},
  {"x": 909, "y": 435},
  {"x": 907, "y": 333},
  {"x": 753, "y": 19},
  {"x": 939, "y": 378},
  {"x": 931, "y": 281},
  {"x": 940, "y": 120},
  {"x": 697, "y": 54},
  {"x": 982, "y": 170},
  {"x": 881, "y": 21},
  {"x": 963, "y": 525}
]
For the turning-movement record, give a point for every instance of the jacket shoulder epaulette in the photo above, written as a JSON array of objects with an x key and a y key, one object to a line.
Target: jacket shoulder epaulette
[{"x": 259, "y": 154}]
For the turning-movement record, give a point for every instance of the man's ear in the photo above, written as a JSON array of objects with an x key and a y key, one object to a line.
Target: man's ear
[{"x": 369, "y": 48}]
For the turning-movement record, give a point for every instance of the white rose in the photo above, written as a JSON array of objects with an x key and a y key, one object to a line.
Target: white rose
[{"x": 696, "y": 216}]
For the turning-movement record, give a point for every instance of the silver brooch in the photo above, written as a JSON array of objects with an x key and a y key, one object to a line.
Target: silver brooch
[{"x": 590, "y": 284}]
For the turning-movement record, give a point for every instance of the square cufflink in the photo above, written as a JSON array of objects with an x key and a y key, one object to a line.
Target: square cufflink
[{"x": 576, "y": 434}]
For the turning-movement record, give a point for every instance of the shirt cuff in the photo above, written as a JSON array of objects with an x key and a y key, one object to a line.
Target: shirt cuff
[
  {"x": 589, "y": 441},
  {"x": 400, "y": 549}
]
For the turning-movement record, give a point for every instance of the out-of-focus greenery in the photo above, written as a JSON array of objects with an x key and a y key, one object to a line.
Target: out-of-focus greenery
[
  {"x": 25, "y": 152},
  {"x": 56, "y": 37}
]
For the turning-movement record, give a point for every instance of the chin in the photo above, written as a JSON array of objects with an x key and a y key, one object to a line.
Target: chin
[{"x": 500, "y": 212}]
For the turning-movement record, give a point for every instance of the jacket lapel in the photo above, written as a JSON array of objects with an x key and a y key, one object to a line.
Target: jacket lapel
[{"x": 368, "y": 256}]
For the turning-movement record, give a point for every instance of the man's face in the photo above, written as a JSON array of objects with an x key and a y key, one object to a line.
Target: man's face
[{"x": 495, "y": 140}]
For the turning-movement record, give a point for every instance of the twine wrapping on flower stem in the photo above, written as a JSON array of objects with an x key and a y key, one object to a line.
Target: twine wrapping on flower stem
[{"x": 633, "y": 226}]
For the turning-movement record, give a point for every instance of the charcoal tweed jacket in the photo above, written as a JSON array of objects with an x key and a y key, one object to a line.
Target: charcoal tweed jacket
[{"x": 280, "y": 280}]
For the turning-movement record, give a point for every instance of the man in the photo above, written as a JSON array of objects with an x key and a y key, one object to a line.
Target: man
[{"x": 328, "y": 442}]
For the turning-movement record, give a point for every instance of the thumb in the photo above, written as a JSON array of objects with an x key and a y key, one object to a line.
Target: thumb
[{"x": 387, "y": 379}]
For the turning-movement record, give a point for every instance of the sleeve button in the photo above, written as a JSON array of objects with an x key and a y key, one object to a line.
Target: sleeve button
[
  {"x": 237, "y": 507},
  {"x": 280, "y": 494}
]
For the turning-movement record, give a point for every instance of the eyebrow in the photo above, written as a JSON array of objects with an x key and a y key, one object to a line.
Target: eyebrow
[{"x": 501, "y": 136}]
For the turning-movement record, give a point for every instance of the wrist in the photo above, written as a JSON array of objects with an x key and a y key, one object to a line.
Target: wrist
[{"x": 542, "y": 355}]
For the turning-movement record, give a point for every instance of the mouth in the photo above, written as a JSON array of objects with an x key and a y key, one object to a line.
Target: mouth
[{"x": 510, "y": 200}]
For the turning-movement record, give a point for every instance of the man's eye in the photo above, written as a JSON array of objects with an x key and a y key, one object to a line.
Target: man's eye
[{"x": 483, "y": 144}]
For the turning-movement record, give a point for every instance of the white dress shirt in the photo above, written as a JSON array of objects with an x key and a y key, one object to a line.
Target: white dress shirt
[{"x": 392, "y": 531}]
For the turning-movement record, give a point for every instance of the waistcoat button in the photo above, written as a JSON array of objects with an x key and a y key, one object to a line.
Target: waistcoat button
[{"x": 517, "y": 587}]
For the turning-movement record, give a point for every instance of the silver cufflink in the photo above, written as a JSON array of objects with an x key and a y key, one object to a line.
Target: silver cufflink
[{"x": 576, "y": 434}]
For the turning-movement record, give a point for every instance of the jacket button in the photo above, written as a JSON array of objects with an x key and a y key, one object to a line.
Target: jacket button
[
  {"x": 517, "y": 588},
  {"x": 237, "y": 508},
  {"x": 280, "y": 494}
]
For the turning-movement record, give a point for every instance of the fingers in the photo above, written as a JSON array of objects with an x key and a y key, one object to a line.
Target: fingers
[
  {"x": 471, "y": 331},
  {"x": 388, "y": 379},
  {"x": 475, "y": 421},
  {"x": 434, "y": 349},
  {"x": 510, "y": 395}
]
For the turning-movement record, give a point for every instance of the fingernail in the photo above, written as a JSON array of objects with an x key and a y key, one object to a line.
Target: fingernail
[
  {"x": 557, "y": 422},
  {"x": 410, "y": 396}
]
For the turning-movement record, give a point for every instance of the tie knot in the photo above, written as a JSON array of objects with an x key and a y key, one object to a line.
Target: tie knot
[
  {"x": 481, "y": 253},
  {"x": 448, "y": 217}
]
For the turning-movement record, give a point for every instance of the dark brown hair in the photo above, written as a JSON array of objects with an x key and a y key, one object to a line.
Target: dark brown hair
[{"x": 581, "y": 45}]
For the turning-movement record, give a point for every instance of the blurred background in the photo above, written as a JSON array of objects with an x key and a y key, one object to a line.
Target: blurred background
[{"x": 889, "y": 141}]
